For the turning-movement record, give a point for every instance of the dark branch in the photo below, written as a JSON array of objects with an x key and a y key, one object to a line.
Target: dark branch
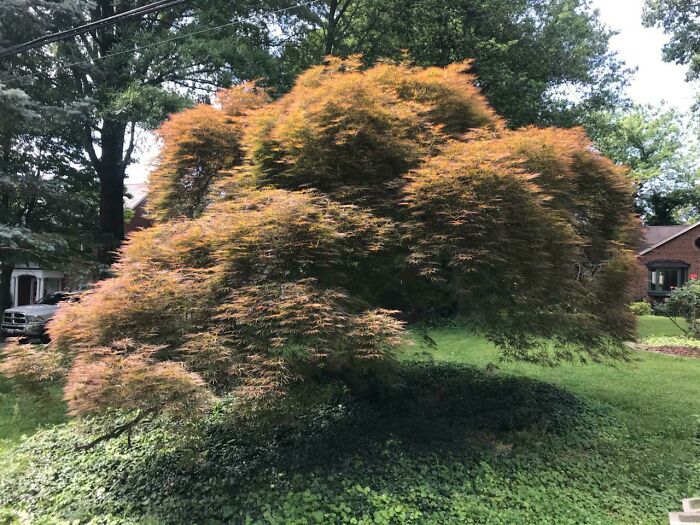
[
  {"x": 130, "y": 147},
  {"x": 90, "y": 148},
  {"x": 118, "y": 431}
]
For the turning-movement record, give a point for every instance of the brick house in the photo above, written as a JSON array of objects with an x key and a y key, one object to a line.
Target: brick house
[
  {"x": 669, "y": 255},
  {"x": 31, "y": 281},
  {"x": 137, "y": 204}
]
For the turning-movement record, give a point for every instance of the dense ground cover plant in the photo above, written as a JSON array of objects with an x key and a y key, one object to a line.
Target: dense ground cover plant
[
  {"x": 363, "y": 196},
  {"x": 456, "y": 445}
]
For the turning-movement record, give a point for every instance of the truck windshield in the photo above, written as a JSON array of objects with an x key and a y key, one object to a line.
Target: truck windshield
[{"x": 53, "y": 298}]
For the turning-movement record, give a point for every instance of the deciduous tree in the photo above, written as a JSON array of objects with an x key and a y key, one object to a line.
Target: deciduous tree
[
  {"x": 46, "y": 204},
  {"x": 659, "y": 146},
  {"x": 681, "y": 20},
  {"x": 528, "y": 54},
  {"x": 359, "y": 182},
  {"x": 131, "y": 75}
]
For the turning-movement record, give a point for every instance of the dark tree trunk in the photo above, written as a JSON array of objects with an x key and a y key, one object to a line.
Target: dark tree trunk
[
  {"x": 111, "y": 171},
  {"x": 111, "y": 164},
  {"x": 329, "y": 44},
  {"x": 5, "y": 281}
]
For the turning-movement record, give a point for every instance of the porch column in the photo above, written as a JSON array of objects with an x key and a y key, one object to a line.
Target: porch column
[
  {"x": 39, "y": 289},
  {"x": 13, "y": 291}
]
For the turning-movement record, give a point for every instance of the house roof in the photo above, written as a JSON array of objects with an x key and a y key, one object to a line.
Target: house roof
[
  {"x": 655, "y": 236},
  {"x": 138, "y": 194}
]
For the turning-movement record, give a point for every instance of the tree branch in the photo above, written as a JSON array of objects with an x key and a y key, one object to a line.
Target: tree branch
[
  {"x": 118, "y": 431},
  {"x": 90, "y": 148},
  {"x": 130, "y": 148},
  {"x": 673, "y": 320}
]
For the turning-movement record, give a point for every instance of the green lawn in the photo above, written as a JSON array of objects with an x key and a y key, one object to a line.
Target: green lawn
[
  {"x": 655, "y": 394},
  {"x": 24, "y": 415},
  {"x": 650, "y": 326},
  {"x": 462, "y": 441}
]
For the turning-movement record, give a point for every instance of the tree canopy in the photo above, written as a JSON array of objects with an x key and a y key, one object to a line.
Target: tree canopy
[
  {"x": 130, "y": 76},
  {"x": 659, "y": 146},
  {"x": 680, "y": 19},
  {"x": 528, "y": 54},
  {"x": 47, "y": 207},
  {"x": 360, "y": 197}
]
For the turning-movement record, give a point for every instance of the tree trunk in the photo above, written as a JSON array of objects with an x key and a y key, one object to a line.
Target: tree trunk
[
  {"x": 5, "y": 281},
  {"x": 330, "y": 30},
  {"x": 111, "y": 171},
  {"x": 110, "y": 166}
]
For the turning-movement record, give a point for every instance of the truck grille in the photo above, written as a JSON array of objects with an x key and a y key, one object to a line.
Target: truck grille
[{"x": 14, "y": 318}]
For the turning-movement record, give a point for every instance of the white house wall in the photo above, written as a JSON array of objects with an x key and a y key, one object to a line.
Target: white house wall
[{"x": 40, "y": 275}]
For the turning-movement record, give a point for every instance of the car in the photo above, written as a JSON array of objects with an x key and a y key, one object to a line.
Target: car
[{"x": 30, "y": 320}]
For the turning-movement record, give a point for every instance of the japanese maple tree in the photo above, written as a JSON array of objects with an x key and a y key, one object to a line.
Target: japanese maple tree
[{"x": 294, "y": 237}]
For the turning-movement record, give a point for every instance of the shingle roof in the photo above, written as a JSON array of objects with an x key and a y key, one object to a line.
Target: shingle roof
[{"x": 654, "y": 236}]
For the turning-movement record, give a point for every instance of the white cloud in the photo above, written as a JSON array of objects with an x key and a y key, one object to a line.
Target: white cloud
[{"x": 639, "y": 46}]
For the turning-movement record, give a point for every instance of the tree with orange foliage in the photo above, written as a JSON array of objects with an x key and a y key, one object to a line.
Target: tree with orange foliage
[
  {"x": 292, "y": 235},
  {"x": 199, "y": 144}
]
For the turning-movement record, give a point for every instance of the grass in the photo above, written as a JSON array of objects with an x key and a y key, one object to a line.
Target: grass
[
  {"x": 24, "y": 415},
  {"x": 468, "y": 442},
  {"x": 654, "y": 394},
  {"x": 652, "y": 326}
]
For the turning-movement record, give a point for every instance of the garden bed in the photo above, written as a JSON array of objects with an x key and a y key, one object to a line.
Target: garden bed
[{"x": 683, "y": 351}]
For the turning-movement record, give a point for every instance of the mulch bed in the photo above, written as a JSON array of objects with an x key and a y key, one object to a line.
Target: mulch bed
[{"x": 670, "y": 350}]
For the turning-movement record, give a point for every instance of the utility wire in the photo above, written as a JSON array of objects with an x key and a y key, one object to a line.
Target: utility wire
[
  {"x": 180, "y": 37},
  {"x": 159, "y": 5}
]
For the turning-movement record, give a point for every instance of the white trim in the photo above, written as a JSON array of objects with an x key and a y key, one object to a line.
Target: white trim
[
  {"x": 668, "y": 239},
  {"x": 39, "y": 275},
  {"x": 138, "y": 202}
]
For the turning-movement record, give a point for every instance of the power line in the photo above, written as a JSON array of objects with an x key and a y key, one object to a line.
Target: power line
[
  {"x": 69, "y": 33},
  {"x": 180, "y": 37}
]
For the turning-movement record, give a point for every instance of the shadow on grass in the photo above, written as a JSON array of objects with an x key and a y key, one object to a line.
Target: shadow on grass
[
  {"x": 23, "y": 415},
  {"x": 441, "y": 410}
]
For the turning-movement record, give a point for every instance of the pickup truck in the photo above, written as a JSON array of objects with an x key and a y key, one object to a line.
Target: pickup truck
[{"x": 30, "y": 320}]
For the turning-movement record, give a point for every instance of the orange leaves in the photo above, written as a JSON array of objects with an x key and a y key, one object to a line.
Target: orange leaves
[
  {"x": 353, "y": 133},
  {"x": 198, "y": 145},
  {"x": 239, "y": 100},
  {"x": 242, "y": 297},
  {"x": 524, "y": 226},
  {"x": 289, "y": 231},
  {"x": 127, "y": 377},
  {"x": 284, "y": 328},
  {"x": 445, "y": 96},
  {"x": 31, "y": 367}
]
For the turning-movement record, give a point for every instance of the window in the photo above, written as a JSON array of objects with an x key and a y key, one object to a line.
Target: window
[
  {"x": 663, "y": 280},
  {"x": 51, "y": 285}
]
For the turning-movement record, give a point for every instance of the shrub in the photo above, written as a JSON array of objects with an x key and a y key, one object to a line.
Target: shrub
[
  {"x": 199, "y": 144},
  {"x": 353, "y": 133},
  {"x": 30, "y": 366},
  {"x": 514, "y": 213},
  {"x": 684, "y": 302},
  {"x": 291, "y": 234},
  {"x": 641, "y": 308}
]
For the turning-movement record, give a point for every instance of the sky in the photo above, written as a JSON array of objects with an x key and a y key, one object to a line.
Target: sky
[
  {"x": 639, "y": 46},
  {"x": 654, "y": 82}
]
